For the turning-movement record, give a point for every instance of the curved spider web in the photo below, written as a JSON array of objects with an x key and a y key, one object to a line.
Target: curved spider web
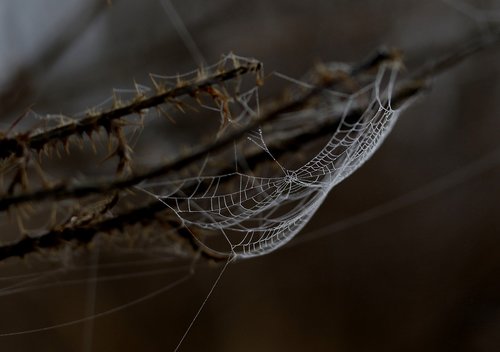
[{"x": 257, "y": 214}]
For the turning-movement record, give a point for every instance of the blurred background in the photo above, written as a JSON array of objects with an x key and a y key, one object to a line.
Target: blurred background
[{"x": 416, "y": 274}]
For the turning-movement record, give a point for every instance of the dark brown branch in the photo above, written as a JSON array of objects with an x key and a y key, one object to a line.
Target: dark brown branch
[{"x": 82, "y": 234}]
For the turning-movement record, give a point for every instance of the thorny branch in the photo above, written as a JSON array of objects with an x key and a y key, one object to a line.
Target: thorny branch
[{"x": 36, "y": 142}]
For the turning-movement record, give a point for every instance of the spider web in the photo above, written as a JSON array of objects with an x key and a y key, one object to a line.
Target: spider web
[{"x": 257, "y": 214}]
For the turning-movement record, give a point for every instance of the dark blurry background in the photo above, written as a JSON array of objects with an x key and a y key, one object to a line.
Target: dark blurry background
[{"x": 422, "y": 277}]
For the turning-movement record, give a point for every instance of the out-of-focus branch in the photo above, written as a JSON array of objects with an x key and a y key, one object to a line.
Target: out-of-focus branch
[
  {"x": 445, "y": 63},
  {"x": 20, "y": 86}
]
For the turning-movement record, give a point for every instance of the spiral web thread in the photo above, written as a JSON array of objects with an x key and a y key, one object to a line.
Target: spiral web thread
[{"x": 258, "y": 214}]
